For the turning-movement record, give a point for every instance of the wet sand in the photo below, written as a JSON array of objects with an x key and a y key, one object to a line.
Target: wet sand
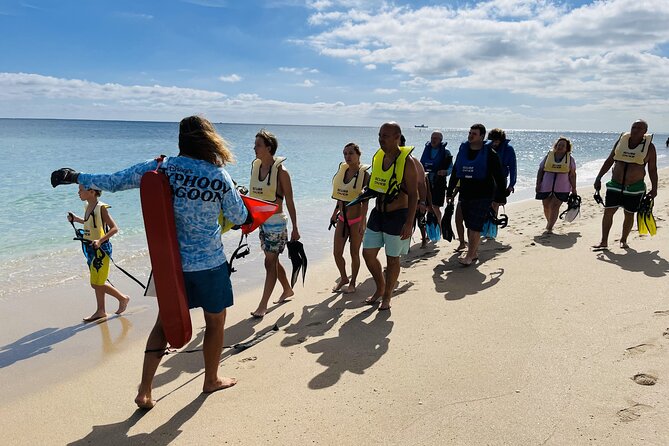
[{"x": 542, "y": 342}]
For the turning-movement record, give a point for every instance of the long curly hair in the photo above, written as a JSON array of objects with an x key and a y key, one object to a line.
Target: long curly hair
[{"x": 198, "y": 139}]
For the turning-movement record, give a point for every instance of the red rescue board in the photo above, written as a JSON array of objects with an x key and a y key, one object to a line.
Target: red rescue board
[{"x": 161, "y": 236}]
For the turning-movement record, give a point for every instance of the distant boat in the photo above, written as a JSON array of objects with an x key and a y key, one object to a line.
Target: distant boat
[{"x": 421, "y": 126}]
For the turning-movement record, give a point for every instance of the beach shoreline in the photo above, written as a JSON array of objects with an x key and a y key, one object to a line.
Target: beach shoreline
[{"x": 539, "y": 343}]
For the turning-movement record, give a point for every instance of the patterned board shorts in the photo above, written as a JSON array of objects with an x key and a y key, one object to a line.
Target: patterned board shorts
[{"x": 274, "y": 234}]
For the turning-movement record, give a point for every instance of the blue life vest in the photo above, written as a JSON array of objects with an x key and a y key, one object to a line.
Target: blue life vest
[
  {"x": 477, "y": 168},
  {"x": 432, "y": 164}
]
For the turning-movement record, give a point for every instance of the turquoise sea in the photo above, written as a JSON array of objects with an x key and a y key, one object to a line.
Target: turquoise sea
[{"x": 36, "y": 247}]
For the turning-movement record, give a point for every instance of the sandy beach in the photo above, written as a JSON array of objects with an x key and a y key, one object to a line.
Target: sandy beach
[{"x": 542, "y": 342}]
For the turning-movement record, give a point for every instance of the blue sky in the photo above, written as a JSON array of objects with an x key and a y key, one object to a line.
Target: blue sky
[{"x": 517, "y": 64}]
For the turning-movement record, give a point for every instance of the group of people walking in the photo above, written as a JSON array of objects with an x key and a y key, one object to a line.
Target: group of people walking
[{"x": 403, "y": 188}]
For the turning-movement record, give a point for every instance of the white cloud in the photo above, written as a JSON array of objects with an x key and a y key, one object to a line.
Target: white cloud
[
  {"x": 134, "y": 16},
  {"x": 230, "y": 78},
  {"x": 307, "y": 83},
  {"x": 34, "y": 95},
  {"x": 385, "y": 90},
  {"x": 608, "y": 48},
  {"x": 208, "y": 3},
  {"x": 298, "y": 70},
  {"x": 370, "y": 66}
]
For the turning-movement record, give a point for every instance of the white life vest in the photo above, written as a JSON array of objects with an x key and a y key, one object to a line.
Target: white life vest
[
  {"x": 626, "y": 154},
  {"x": 265, "y": 189},
  {"x": 341, "y": 190},
  {"x": 551, "y": 165}
]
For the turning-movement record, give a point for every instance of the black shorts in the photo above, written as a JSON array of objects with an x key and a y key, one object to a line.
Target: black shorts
[
  {"x": 438, "y": 191},
  {"x": 615, "y": 199},
  {"x": 562, "y": 196},
  {"x": 475, "y": 212},
  {"x": 388, "y": 222}
]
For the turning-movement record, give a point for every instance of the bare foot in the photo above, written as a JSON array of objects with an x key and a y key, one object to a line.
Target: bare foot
[
  {"x": 600, "y": 247},
  {"x": 258, "y": 314},
  {"x": 95, "y": 317},
  {"x": 465, "y": 261},
  {"x": 372, "y": 300},
  {"x": 423, "y": 243},
  {"x": 122, "y": 305},
  {"x": 349, "y": 289},
  {"x": 144, "y": 401},
  {"x": 461, "y": 247},
  {"x": 385, "y": 305},
  {"x": 285, "y": 296},
  {"x": 219, "y": 384},
  {"x": 340, "y": 283},
  {"x": 548, "y": 231},
  {"x": 624, "y": 245}
]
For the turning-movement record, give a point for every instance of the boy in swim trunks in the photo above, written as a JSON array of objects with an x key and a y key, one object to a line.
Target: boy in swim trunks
[
  {"x": 270, "y": 181},
  {"x": 99, "y": 227},
  {"x": 630, "y": 156}
]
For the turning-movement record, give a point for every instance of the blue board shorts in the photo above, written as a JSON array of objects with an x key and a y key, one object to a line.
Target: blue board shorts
[
  {"x": 209, "y": 289},
  {"x": 383, "y": 230}
]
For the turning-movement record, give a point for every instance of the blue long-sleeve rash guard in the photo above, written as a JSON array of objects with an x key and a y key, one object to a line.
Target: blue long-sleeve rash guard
[{"x": 201, "y": 191}]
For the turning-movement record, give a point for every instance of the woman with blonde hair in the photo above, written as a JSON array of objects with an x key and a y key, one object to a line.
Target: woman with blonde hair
[{"x": 202, "y": 188}]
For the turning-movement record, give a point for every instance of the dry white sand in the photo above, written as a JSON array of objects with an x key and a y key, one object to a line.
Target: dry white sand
[{"x": 537, "y": 344}]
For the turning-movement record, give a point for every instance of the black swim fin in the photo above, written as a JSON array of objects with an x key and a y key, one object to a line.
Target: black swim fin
[
  {"x": 446, "y": 229},
  {"x": 365, "y": 195},
  {"x": 298, "y": 259}
]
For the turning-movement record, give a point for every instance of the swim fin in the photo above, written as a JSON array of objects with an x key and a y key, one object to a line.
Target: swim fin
[
  {"x": 365, "y": 195},
  {"x": 490, "y": 225},
  {"x": 432, "y": 227},
  {"x": 446, "y": 229},
  {"x": 644, "y": 218},
  {"x": 573, "y": 208},
  {"x": 298, "y": 259}
]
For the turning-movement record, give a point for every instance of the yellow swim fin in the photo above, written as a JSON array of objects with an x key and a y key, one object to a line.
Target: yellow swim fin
[
  {"x": 650, "y": 223},
  {"x": 644, "y": 218},
  {"x": 641, "y": 223}
]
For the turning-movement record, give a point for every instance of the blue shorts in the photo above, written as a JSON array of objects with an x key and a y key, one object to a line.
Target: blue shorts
[
  {"x": 210, "y": 289},
  {"x": 395, "y": 246}
]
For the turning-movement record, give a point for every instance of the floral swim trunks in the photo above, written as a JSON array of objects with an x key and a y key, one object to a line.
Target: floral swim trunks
[{"x": 274, "y": 234}]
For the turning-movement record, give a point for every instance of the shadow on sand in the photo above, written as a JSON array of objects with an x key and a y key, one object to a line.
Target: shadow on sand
[
  {"x": 648, "y": 262},
  {"x": 456, "y": 281},
  {"x": 558, "y": 241},
  {"x": 44, "y": 340},
  {"x": 117, "y": 433},
  {"x": 357, "y": 347}
]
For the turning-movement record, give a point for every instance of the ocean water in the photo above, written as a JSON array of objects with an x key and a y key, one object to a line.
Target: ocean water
[{"x": 36, "y": 247}]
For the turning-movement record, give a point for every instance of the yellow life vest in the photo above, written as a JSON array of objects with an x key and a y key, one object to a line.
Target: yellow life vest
[
  {"x": 637, "y": 155},
  {"x": 380, "y": 179},
  {"x": 341, "y": 190},
  {"x": 94, "y": 227},
  {"x": 551, "y": 165},
  {"x": 265, "y": 189}
]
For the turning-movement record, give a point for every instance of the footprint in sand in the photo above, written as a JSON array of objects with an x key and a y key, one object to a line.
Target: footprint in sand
[
  {"x": 645, "y": 379},
  {"x": 661, "y": 313},
  {"x": 634, "y": 412},
  {"x": 639, "y": 349},
  {"x": 666, "y": 333},
  {"x": 246, "y": 363}
]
